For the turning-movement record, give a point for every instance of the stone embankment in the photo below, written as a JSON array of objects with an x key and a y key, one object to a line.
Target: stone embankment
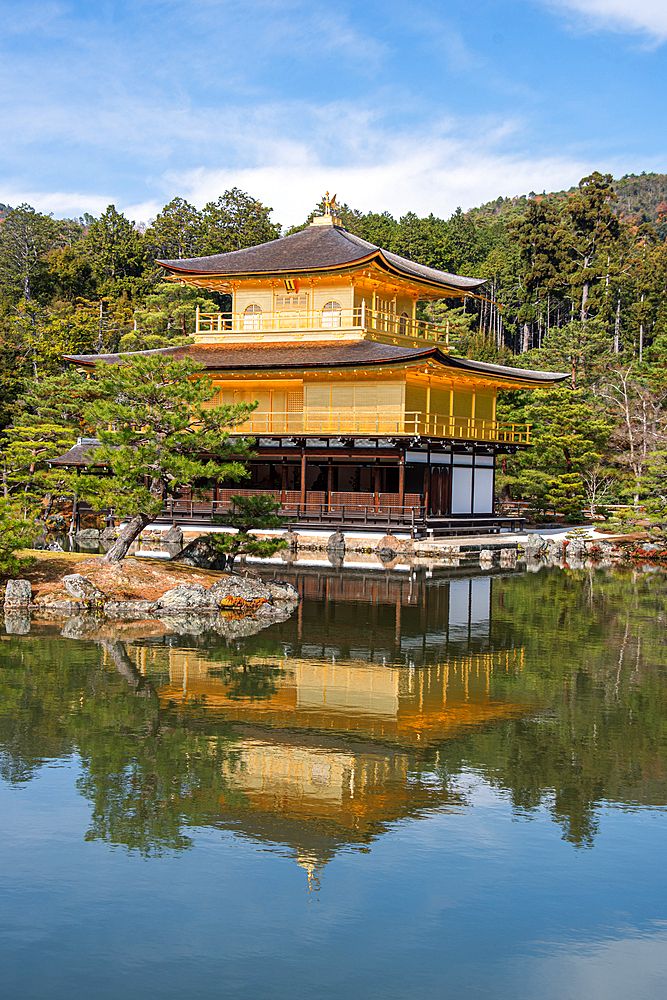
[
  {"x": 233, "y": 606},
  {"x": 190, "y": 549},
  {"x": 503, "y": 550}
]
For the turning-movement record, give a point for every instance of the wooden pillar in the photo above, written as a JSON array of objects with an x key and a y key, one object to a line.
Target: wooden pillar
[
  {"x": 377, "y": 483},
  {"x": 283, "y": 479},
  {"x": 427, "y": 487},
  {"x": 401, "y": 479},
  {"x": 329, "y": 480},
  {"x": 303, "y": 476}
]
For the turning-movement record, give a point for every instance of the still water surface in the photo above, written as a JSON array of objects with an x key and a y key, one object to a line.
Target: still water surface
[{"x": 416, "y": 787}]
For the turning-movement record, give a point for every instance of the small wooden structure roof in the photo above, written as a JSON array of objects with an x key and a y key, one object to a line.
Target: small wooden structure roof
[{"x": 80, "y": 455}]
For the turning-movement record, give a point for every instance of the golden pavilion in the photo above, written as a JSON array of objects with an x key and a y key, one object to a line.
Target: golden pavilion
[{"x": 364, "y": 417}]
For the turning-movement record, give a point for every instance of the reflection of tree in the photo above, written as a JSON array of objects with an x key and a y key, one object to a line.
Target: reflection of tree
[
  {"x": 146, "y": 798},
  {"x": 148, "y": 774},
  {"x": 595, "y": 659}
]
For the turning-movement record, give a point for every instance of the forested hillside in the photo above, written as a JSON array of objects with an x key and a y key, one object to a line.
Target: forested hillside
[
  {"x": 576, "y": 282},
  {"x": 641, "y": 198}
]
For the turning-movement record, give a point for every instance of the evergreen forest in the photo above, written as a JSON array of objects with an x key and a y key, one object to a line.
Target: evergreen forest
[{"x": 576, "y": 283}]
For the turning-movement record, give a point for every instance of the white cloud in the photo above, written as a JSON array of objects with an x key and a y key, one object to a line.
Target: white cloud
[
  {"x": 339, "y": 147},
  {"x": 62, "y": 204},
  {"x": 421, "y": 173},
  {"x": 646, "y": 16}
]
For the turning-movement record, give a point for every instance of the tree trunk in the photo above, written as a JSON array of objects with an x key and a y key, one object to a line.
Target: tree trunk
[
  {"x": 526, "y": 338},
  {"x": 584, "y": 300},
  {"x": 617, "y": 327},
  {"x": 48, "y": 508},
  {"x": 72, "y": 523},
  {"x": 132, "y": 530}
]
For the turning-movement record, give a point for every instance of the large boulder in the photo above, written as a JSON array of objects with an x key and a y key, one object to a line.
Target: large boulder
[
  {"x": 283, "y": 592},
  {"x": 59, "y": 607},
  {"x": 82, "y": 589},
  {"x": 18, "y": 593},
  {"x": 185, "y": 597},
  {"x": 232, "y": 591},
  {"x": 87, "y": 533},
  {"x": 387, "y": 549},
  {"x": 576, "y": 547},
  {"x": 173, "y": 535},
  {"x": 202, "y": 554},
  {"x": 652, "y": 547},
  {"x": 336, "y": 543}
]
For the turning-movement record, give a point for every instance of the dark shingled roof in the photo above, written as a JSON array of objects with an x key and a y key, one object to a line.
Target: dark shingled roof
[
  {"x": 315, "y": 248},
  {"x": 79, "y": 454},
  {"x": 317, "y": 355}
]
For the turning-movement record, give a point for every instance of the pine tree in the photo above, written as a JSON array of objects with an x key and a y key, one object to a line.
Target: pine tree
[
  {"x": 26, "y": 237},
  {"x": 159, "y": 436},
  {"x": 116, "y": 250},
  {"x": 249, "y": 514},
  {"x": 591, "y": 228},
  {"x": 176, "y": 232}
]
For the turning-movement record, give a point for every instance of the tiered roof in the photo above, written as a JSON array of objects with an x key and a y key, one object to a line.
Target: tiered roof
[
  {"x": 322, "y": 355},
  {"x": 316, "y": 248}
]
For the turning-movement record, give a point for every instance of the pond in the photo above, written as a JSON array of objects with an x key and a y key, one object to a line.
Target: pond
[{"x": 421, "y": 785}]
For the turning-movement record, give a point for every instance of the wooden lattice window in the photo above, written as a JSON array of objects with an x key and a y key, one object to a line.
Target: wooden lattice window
[
  {"x": 295, "y": 401},
  {"x": 291, "y": 301}
]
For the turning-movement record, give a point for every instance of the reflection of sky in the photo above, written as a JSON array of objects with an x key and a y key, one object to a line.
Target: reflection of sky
[
  {"x": 632, "y": 966},
  {"x": 455, "y": 904}
]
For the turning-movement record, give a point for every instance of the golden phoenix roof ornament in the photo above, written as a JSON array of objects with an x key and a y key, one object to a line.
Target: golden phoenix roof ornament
[{"x": 331, "y": 206}]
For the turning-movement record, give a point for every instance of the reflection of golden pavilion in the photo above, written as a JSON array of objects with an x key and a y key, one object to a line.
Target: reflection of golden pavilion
[
  {"x": 333, "y": 754},
  {"x": 330, "y": 751},
  {"x": 395, "y": 703}
]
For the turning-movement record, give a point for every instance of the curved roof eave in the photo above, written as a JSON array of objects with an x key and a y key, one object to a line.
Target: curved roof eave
[
  {"x": 504, "y": 371},
  {"x": 384, "y": 355}
]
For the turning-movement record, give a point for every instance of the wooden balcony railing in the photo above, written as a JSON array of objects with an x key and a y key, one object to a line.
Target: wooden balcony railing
[
  {"x": 376, "y": 511},
  {"x": 334, "y": 320},
  {"x": 390, "y": 422}
]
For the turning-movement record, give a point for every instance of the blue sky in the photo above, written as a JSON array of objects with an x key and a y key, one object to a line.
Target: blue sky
[{"x": 393, "y": 105}]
